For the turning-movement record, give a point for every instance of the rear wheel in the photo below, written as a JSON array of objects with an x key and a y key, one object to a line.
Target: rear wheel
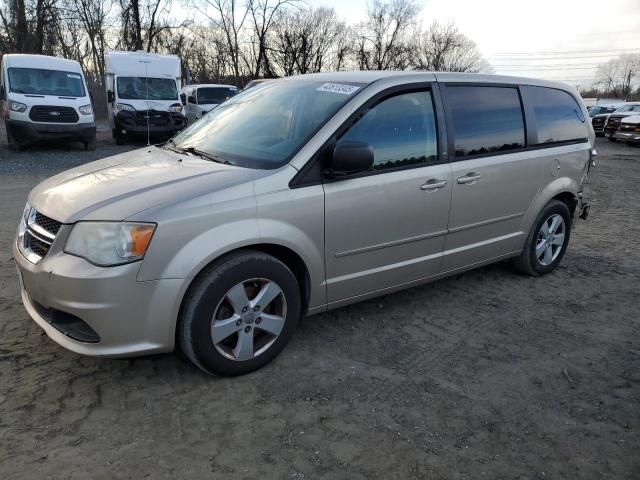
[
  {"x": 239, "y": 314},
  {"x": 547, "y": 242}
]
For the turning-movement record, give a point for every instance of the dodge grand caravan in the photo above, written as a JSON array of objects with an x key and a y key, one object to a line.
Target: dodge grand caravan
[{"x": 304, "y": 195}]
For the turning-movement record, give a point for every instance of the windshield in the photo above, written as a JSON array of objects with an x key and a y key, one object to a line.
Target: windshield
[
  {"x": 39, "y": 81},
  {"x": 135, "y": 88},
  {"x": 264, "y": 127},
  {"x": 215, "y": 94},
  {"x": 629, "y": 108}
]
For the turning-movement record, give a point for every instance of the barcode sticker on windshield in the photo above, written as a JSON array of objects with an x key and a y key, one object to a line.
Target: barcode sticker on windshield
[
  {"x": 337, "y": 88},
  {"x": 73, "y": 75}
]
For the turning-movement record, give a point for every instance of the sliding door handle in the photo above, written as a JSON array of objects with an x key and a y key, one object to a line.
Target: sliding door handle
[
  {"x": 469, "y": 178},
  {"x": 433, "y": 184}
]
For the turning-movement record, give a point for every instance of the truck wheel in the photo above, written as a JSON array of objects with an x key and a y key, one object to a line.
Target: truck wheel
[
  {"x": 547, "y": 242},
  {"x": 12, "y": 141},
  {"x": 239, "y": 313},
  {"x": 90, "y": 145},
  {"x": 118, "y": 136}
]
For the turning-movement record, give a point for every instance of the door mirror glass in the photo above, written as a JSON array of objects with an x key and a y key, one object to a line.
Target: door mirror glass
[
  {"x": 351, "y": 157},
  {"x": 110, "y": 96},
  {"x": 183, "y": 99},
  {"x": 192, "y": 99}
]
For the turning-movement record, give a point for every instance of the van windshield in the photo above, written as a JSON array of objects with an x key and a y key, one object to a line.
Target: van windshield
[
  {"x": 40, "y": 81},
  {"x": 264, "y": 127},
  {"x": 208, "y": 95},
  {"x": 147, "y": 88}
]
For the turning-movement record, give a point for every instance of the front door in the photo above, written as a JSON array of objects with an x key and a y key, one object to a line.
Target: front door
[{"x": 387, "y": 227}]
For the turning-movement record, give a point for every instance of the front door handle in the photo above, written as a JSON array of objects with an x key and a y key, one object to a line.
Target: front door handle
[
  {"x": 469, "y": 178},
  {"x": 433, "y": 184}
]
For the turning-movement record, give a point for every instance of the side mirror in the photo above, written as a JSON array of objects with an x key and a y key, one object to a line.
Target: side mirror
[
  {"x": 183, "y": 99},
  {"x": 350, "y": 158},
  {"x": 110, "y": 98},
  {"x": 192, "y": 99}
]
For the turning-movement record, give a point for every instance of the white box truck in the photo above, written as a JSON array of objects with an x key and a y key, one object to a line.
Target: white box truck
[
  {"x": 143, "y": 94},
  {"x": 45, "y": 98}
]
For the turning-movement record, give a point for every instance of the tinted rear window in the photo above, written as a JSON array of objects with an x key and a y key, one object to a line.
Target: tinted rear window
[
  {"x": 558, "y": 116},
  {"x": 485, "y": 119}
]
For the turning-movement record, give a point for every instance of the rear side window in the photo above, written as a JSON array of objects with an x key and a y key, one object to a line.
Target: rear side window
[
  {"x": 401, "y": 130},
  {"x": 485, "y": 119},
  {"x": 558, "y": 116}
]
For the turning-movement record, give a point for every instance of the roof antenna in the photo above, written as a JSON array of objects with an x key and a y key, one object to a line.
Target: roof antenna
[{"x": 146, "y": 87}]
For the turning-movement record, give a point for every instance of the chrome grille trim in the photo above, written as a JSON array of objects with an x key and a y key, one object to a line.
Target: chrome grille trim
[{"x": 37, "y": 235}]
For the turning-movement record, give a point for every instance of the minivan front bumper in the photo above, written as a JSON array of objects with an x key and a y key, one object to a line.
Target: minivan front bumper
[{"x": 99, "y": 311}]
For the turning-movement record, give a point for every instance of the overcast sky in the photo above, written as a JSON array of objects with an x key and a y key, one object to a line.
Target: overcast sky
[{"x": 554, "y": 39}]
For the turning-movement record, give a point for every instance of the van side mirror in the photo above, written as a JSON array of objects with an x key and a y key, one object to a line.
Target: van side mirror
[
  {"x": 183, "y": 99},
  {"x": 351, "y": 157},
  {"x": 192, "y": 99},
  {"x": 110, "y": 98}
]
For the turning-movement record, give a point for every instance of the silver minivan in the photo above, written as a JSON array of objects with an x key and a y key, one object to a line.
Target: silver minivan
[{"x": 304, "y": 195}]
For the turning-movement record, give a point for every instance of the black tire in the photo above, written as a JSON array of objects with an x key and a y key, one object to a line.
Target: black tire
[
  {"x": 611, "y": 139},
  {"x": 528, "y": 261},
  {"x": 207, "y": 292},
  {"x": 118, "y": 136},
  {"x": 12, "y": 141},
  {"x": 90, "y": 145}
]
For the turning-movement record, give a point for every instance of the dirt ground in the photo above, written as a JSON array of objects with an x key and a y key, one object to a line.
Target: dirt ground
[{"x": 489, "y": 374}]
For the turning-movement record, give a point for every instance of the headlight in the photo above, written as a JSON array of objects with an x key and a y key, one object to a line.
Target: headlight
[
  {"x": 17, "y": 106},
  {"x": 176, "y": 107},
  {"x": 22, "y": 228},
  {"x": 107, "y": 244},
  {"x": 118, "y": 107},
  {"x": 86, "y": 110}
]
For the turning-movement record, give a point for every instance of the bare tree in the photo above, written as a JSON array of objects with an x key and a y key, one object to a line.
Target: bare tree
[
  {"x": 142, "y": 22},
  {"x": 230, "y": 18},
  {"x": 382, "y": 43},
  {"x": 443, "y": 48},
  {"x": 30, "y": 26},
  {"x": 309, "y": 40},
  {"x": 617, "y": 76}
]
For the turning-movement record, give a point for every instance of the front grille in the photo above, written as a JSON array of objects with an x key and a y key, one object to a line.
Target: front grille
[
  {"x": 53, "y": 114},
  {"x": 39, "y": 233},
  {"x": 49, "y": 224},
  {"x": 156, "y": 119}
]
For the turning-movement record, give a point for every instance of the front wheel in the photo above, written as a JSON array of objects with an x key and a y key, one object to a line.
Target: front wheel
[
  {"x": 239, "y": 314},
  {"x": 547, "y": 242}
]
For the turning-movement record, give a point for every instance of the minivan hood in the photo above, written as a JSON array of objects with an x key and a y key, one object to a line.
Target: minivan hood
[
  {"x": 118, "y": 187},
  {"x": 635, "y": 119}
]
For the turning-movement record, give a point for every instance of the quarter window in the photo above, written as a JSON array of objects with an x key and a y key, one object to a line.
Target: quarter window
[
  {"x": 401, "y": 130},
  {"x": 485, "y": 119},
  {"x": 559, "y": 118}
]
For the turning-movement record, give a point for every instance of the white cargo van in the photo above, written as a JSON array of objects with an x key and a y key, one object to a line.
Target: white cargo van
[
  {"x": 45, "y": 98},
  {"x": 200, "y": 99},
  {"x": 143, "y": 94}
]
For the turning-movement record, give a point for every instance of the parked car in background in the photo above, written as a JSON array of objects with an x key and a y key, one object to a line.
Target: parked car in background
[
  {"x": 629, "y": 130},
  {"x": 602, "y": 109},
  {"x": 600, "y": 121},
  {"x": 614, "y": 119},
  {"x": 300, "y": 196},
  {"x": 198, "y": 100},
  {"x": 256, "y": 82},
  {"x": 143, "y": 94},
  {"x": 45, "y": 98}
]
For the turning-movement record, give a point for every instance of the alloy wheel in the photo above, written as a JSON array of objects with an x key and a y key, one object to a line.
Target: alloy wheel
[
  {"x": 550, "y": 241},
  {"x": 248, "y": 319}
]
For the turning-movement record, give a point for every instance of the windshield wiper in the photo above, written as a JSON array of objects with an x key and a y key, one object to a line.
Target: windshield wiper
[{"x": 202, "y": 154}]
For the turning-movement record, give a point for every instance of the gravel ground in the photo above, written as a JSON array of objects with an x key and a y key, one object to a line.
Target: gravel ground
[{"x": 484, "y": 375}]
